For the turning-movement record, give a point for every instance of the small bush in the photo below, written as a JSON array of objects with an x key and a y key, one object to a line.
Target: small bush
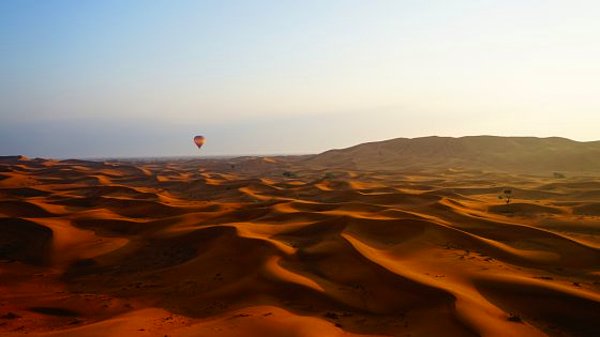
[
  {"x": 506, "y": 196},
  {"x": 514, "y": 318}
]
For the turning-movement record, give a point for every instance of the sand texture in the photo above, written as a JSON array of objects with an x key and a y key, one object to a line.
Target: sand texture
[{"x": 285, "y": 246}]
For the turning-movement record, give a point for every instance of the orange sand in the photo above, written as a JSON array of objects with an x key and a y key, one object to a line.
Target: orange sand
[{"x": 235, "y": 248}]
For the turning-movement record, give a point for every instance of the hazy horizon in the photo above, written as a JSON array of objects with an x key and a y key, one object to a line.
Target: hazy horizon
[
  {"x": 141, "y": 78},
  {"x": 202, "y": 154}
]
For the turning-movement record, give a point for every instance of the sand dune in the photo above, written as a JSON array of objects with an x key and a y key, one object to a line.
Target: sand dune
[
  {"x": 235, "y": 247},
  {"x": 514, "y": 154}
]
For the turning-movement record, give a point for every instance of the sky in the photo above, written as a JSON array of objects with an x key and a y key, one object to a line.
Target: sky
[{"x": 124, "y": 78}]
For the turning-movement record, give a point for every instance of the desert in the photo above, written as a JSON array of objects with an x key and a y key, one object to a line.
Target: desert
[
  {"x": 406, "y": 237},
  {"x": 314, "y": 168}
]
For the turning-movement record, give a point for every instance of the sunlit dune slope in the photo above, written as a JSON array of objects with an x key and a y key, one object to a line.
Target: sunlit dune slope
[
  {"x": 515, "y": 154},
  {"x": 286, "y": 246}
]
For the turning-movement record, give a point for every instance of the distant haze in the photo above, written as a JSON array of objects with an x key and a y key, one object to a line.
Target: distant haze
[{"x": 141, "y": 78}]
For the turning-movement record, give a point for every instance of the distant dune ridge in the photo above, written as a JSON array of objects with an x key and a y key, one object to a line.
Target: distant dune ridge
[{"x": 522, "y": 154}]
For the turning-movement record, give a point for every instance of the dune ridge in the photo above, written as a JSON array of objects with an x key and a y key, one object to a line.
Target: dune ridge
[
  {"x": 513, "y": 154},
  {"x": 235, "y": 247}
]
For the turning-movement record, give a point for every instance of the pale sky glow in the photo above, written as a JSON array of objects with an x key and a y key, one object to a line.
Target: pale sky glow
[{"x": 141, "y": 78}]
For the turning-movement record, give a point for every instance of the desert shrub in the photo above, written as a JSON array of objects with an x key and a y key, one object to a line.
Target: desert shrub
[
  {"x": 558, "y": 175},
  {"x": 289, "y": 174},
  {"x": 506, "y": 196},
  {"x": 514, "y": 318}
]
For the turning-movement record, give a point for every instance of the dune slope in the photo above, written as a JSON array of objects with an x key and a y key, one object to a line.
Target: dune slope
[{"x": 513, "y": 154}]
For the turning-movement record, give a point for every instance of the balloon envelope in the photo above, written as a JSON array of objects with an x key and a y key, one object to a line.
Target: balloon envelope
[{"x": 199, "y": 140}]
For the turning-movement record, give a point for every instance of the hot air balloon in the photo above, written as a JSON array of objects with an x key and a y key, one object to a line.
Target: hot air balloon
[{"x": 199, "y": 140}]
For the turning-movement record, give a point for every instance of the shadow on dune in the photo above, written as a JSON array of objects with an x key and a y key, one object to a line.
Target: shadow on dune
[
  {"x": 554, "y": 310},
  {"x": 25, "y": 241}
]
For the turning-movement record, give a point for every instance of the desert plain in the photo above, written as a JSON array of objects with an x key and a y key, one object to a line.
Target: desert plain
[{"x": 327, "y": 245}]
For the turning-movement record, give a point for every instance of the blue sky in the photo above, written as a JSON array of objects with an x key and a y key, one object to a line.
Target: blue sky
[{"x": 141, "y": 78}]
